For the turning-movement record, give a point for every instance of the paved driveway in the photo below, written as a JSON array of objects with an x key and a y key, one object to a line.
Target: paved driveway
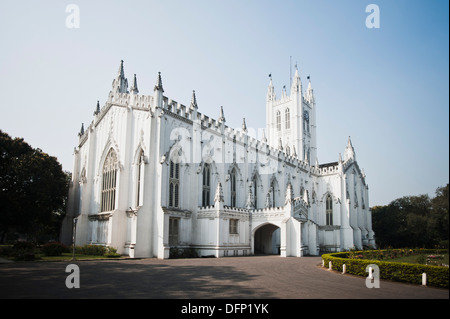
[{"x": 202, "y": 278}]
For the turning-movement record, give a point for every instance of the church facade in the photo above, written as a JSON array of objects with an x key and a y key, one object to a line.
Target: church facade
[{"x": 153, "y": 178}]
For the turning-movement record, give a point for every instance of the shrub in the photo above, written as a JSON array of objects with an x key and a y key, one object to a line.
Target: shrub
[
  {"x": 54, "y": 249},
  {"x": 111, "y": 252},
  {"x": 437, "y": 276},
  {"x": 91, "y": 250},
  {"x": 24, "y": 250}
]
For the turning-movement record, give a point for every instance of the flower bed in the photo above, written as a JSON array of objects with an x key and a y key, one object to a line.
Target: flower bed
[{"x": 357, "y": 261}]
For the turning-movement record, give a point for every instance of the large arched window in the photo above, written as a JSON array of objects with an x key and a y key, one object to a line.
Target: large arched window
[
  {"x": 206, "y": 185},
  {"x": 329, "y": 210},
  {"x": 233, "y": 187},
  {"x": 109, "y": 181},
  {"x": 174, "y": 184},
  {"x": 278, "y": 121},
  {"x": 287, "y": 118}
]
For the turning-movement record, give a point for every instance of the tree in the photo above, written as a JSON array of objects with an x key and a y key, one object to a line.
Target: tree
[
  {"x": 33, "y": 188},
  {"x": 413, "y": 221}
]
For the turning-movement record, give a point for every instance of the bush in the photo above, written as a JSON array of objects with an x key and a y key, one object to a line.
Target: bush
[
  {"x": 91, "y": 250},
  {"x": 437, "y": 276},
  {"x": 111, "y": 252},
  {"x": 54, "y": 249},
  {"x": 24, "y": 250}
]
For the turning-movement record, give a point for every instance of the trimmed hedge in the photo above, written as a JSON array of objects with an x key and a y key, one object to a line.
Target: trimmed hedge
[{"x": 437, "y": 276}]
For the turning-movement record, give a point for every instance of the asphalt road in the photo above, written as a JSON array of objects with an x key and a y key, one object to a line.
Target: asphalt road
[{"x": 253, "y": 277}]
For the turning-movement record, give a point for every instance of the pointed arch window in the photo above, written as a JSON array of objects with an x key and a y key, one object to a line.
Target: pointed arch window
[
  {"x": 272, "y": 190},
  {"x": 206, "y": 185},
  {"x": 233, "y": 187},
  {"x": 255, "y": 190},
  {"x": 109, "y": 181},
  {"x": 140, "y": 179},
  {"x": 174, "y": 184},
  {"x": 278, "y": 121},
  {"x": 329, "y": 210},
  {"x": 287, "y": 118}
]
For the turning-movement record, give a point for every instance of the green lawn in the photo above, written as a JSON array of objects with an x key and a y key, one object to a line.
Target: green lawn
[{"x": 421, "y": 259}]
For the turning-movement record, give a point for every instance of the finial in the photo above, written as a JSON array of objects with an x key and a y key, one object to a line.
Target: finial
[
  {"x": 97, "y": 110},
  {"x": 221, "y": 117},
  {"x": 244, "y": 126},
  {"x": 134, "y": 88},
  {"x": 219, "y": 193},
  {"x": 159, "y": 86},
  {"x": 193, "y": 100}
]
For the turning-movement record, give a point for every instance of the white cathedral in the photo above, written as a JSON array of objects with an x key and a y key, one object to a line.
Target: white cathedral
[{"x": 152, "y": 176}]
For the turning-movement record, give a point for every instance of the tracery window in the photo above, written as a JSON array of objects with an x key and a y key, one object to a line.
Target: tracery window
[
  {"x": 109, "y": 181},
  {"x": 329, "y": 210},
  {"x": 233, "y": 188},
  {"x": 255, "y": 190},
  {"x": 174, "y": 184},
  {"x": 206, "y": 185}
]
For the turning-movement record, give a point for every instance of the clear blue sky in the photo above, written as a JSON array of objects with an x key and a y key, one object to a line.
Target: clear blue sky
[{"x": 387, "y": 88}]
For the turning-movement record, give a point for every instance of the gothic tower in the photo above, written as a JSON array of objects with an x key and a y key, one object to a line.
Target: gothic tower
[{"x": 291, "y": 120}]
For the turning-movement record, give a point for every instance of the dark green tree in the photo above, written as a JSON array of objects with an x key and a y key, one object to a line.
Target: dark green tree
[
  {"x": 33, "y": 189},
  {"x": 413, "y": 221}
]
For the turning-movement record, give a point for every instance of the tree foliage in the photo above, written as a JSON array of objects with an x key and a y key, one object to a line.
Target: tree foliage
[
  {"x": 33, "y": 189},
  {"x": 413, "y": 221}
]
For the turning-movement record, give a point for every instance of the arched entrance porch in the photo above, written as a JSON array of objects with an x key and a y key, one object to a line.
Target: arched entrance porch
[{"x": 266, "y": 239}]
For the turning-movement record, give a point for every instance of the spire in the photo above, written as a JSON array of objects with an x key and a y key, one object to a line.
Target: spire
[
  {"x": 193, "y": 101},
  {"x": 97, "y": 110},
  {"x": 264, "y": 138},
  {"x": 121, "y": 73},
  {"x": 244, "y": 126},
  {"x": 219, "y": 194},
  {"x": 309, "y": 92},
  {"x": 221, "y": 117},
  {"x": 134, "y": 88},
  {"x": 120, "y": 84},
  {"x": 270, "y": 90},
  {"x": 81, "y": 130},
  {"x": 296, "y": 83},
  {"x": 159, "y": 86},
  {"x": 158, "y": 98},
  {"x": 289, "y": 194},
  {"x": 349, "y": 151},
  {"x": 305, "y": 197}
]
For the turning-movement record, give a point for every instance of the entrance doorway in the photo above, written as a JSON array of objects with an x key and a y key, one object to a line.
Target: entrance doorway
[{"x": 267, "y": 240}]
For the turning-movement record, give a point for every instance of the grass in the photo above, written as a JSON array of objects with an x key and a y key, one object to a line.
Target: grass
[{"x": 421, "y": 259}]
